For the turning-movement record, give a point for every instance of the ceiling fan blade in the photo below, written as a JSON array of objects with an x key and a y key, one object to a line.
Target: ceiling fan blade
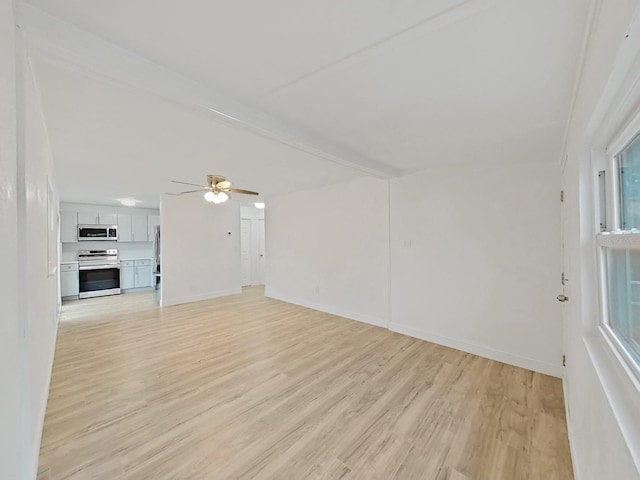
[
  {"x": 193, "y": 191},
  {"x": 187, "y": 183},
  {"x": 246, "y": 192},
  {"x": 223, "y": 185}
]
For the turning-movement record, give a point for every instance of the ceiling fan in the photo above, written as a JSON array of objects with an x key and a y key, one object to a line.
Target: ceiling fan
[{"x": 217, "y": 190}]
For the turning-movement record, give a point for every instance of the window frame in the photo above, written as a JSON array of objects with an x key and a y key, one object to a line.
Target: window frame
[
  {"x": 613, "y": 236},
  {"x": 622, "y": 241}
]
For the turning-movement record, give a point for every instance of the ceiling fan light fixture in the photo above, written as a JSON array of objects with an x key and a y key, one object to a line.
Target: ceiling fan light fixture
[
  {"x": 128, "y": 202},
  {"x": 216, "y": 197},
  {"x": 259, "y": 205}
]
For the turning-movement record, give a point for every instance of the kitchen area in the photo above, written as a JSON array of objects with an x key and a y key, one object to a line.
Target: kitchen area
[{"x": 108, "y": 250}]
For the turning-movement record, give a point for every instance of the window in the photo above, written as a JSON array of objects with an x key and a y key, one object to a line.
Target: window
[
  {"x": 623, "y": 292},
  {"x": 619, "y": 245},
  {"x": 629, "y": 171}
]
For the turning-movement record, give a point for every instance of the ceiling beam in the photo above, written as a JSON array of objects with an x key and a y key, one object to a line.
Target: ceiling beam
[{"x": 78, "y": 49}]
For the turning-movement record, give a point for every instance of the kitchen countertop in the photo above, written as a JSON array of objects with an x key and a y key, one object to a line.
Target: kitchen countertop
[{"x": 121, "y": 259}]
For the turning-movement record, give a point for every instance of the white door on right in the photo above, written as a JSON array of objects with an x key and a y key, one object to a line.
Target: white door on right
[
  {"x": 245, "y": 250},
  {"x": 261, "y": 252}
]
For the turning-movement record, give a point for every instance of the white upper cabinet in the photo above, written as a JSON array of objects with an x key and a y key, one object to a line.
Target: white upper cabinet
[
  {"x": 68, "y": 226},
  {"x": 108, "y": 219},
  {"x": 131, "y": 228},
  {"x": 88, "y": 218},
  {"x": 124, "y": 228},
  {"x": 134, "y": 228},
  {"x": 91, "y": 218},
  {"x": 139, "y": 228}
]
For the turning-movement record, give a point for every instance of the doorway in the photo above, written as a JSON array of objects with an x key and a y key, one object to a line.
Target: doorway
[{"x": 252, "y": 245}]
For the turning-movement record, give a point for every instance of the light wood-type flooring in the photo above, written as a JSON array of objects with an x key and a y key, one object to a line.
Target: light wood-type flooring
[{"x": 245, "y": 387}]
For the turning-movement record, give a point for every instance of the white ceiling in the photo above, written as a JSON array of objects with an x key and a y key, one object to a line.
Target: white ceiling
[
  {"x": 501, "y": 77},
  {"x": 245, "y": 47},
  {"x": 407, "y": 83},
  {"x": 110, "y": 142}
]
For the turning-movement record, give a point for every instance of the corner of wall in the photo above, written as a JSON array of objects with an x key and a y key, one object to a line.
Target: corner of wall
[
  {"x": 376, "y": 321},
  {"x": 481, "y": 350}
]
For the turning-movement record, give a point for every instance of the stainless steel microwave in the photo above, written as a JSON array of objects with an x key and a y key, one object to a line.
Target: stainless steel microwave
[{"x": 97, "y": 233}]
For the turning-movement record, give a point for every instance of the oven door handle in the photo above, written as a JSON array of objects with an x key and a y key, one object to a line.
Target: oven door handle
[{"x": 99, "y": 267}]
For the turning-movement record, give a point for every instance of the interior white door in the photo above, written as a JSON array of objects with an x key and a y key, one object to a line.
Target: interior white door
[
  {"x": 261, "y": 252},
  {"x": 245, "y": 250},
  {"x": 569, "y": 225}
]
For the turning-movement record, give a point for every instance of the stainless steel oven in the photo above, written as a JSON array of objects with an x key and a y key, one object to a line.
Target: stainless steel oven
[{"x": 98, "y": 273}]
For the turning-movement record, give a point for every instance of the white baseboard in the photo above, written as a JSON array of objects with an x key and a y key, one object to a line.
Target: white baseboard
[
  {"x": 200, "y": 297},
  {"x": 364, "y": 318},
  {"x": 482, "y": 351},
  {"x": 134, "y": 290}
]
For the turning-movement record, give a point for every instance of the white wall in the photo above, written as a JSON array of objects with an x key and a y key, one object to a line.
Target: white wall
[
  {"x": 13, "y": 448},
  {"x": 29, "y": 289},
  {"x": 475, "y": 257},
  {"x": 200, "y": 260},
  {"x": 328, "y": 249},
  {"x": 475, "y": 261},
  {"x": 602, "y": 402},
  {"x": 41, "y": 281}
]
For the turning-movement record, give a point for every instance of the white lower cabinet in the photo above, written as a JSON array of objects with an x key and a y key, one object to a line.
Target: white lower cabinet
[
  {"x": 126, "y": 274},
  {"x": 69, "y": 284},
  {"x": 143, "y": 273},
  {"x": 136, "y": 274}
]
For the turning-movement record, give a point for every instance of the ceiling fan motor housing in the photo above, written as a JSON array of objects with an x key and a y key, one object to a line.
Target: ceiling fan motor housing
[{"x": 213, "y": 180}]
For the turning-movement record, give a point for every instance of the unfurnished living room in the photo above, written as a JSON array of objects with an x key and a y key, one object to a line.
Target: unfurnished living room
[{"x": 320, "y": 239}]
